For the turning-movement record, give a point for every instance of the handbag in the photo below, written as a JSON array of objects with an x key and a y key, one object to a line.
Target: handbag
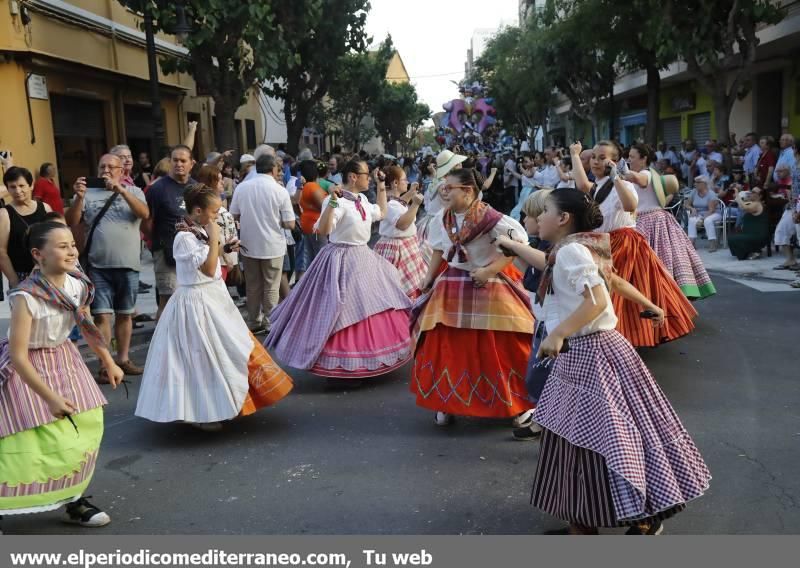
[
  {"x": 235, "y": 276},
  {"x": 84, "y": 257}
]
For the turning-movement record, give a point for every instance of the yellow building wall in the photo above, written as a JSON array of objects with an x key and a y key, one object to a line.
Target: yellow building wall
[
  {"x": 396, "y": 72},
  {"x": 15, "y": 131},
  {"x": 103, "y": 60},
  {"x": 703, "y": 103}
]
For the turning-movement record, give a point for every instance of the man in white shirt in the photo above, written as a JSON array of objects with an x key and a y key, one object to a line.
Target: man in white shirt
[
  {"x": 264, "y": 209},
  {"x": 786, "y": 157},
  {"x": 668, "y": 156}
]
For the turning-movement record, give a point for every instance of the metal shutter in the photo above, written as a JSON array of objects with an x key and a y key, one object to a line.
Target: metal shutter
[
  {"x": 700, "y": 127},
  {"x": 671, "y": 132},
  {"x": 139, "y": 122},
  {"x": 73, "y": 116}
]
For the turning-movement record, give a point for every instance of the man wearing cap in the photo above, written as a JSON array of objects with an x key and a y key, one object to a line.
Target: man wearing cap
[{"x": 246, "y": 164}]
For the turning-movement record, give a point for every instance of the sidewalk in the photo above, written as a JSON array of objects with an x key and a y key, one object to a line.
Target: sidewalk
[{"x": 724, "y": 263}]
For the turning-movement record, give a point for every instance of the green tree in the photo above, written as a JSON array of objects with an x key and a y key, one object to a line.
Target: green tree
[
  {"x": 516, "y": 78},
  {"x": 356, "y": 91},
  {"x": 718, "y": 41},
  {"x": 319, "y": 34},
  {"x": 397, "y": 113},
  {"x": 637, "y": 34},
  {"x": 224, "y": 64}
]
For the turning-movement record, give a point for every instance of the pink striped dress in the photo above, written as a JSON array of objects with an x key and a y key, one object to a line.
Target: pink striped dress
[{"x": 44, "y": 461}]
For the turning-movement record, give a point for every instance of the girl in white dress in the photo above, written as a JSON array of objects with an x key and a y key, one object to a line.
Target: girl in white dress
[{"x": 204, "y": 365}]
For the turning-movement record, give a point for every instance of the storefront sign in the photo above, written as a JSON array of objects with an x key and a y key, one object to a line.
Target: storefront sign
[
  {"x": 683, "y": 103},
  {"x": 37, "y": 87}
]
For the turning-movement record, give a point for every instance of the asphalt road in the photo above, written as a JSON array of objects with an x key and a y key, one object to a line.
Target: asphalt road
[{"x": 368, "y": 461}]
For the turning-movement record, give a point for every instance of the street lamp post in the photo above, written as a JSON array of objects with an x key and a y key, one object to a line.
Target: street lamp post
[
  {"x": 181, "y": 31},
  {"x": 157, "y": 142}
]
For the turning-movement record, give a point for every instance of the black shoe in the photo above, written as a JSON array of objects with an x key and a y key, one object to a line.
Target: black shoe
[
  {"x": 145, "y": 285},
  {"x": 527, "y": 434},
  {"x": 654, "y": 529},
  {"x": 83, "y": 513}
]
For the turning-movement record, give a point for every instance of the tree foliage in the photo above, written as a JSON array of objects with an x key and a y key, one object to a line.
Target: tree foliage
[
  {"x": 398, "y": 113},
  {"x": 354, "y": 94},
  {"x": 320, "y": 34}
]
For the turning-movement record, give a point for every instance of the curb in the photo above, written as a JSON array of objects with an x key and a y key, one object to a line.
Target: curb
[{"x": 749, "y": 276}]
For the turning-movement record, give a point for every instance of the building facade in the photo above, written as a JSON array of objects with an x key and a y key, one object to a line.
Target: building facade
[
  {"x": 75, "y": 83},
  {"x": 770, "y": 106}
]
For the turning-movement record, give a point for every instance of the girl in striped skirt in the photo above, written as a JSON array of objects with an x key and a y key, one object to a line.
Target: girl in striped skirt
[
  {"x": 613, "y": 451},
  {"x": 399, "y": 243},
  {"x": 634, "y": 260},
  {"x": 473, "y": 326},
  {"x": 51, "y": 415},
  {"x": 663, "y": 233},
  {"x": 347, "y": 318},
  {"x": 204, "y": 366}
]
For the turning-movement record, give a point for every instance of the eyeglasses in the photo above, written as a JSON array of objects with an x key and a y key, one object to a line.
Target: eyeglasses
[{"x": 104, "y": 167}]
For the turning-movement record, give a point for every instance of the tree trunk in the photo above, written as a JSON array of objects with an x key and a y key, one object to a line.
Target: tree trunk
[
  {"x": 722, "y": 112},
  {"x": 612, "y": 119},
  {"x": 225, "y": 135},
  {"x": 653, "y": 105},
  {"x": 294, "y": 127}
]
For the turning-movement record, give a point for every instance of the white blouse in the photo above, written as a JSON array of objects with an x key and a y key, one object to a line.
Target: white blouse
[
  {"x": 190, "y": 252},
  {"x": 348, "y": 226},
  {"x": 575, "y": 270},
  {"x": 614, "y": 216},
  {"x": 648, "y": 201},
  {"x": 51, "y": 326},
  {"x": 388, "y": 228},
  {"x": 433, "y": 199},
  {"x": 481, "y": 251}
]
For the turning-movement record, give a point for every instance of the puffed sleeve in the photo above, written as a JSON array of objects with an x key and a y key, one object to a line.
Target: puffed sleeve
[
  {"x": 374, "y": 210},
  {"x": 187, "y": 248},
  {"x": 510, "y": 228},
  {"x": 648, "y": 174},
  {"x": 23, "y": 299},
  {"x": 437, "y": 235},
  {"x": 338, "y": 213},
  {"x": 632, "y": 190},
  {"x": 394, "y": 211},
  {"x": 576, "y": 268}
]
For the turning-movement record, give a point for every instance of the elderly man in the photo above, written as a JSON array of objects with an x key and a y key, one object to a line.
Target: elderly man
[
  {"x": 123, "y": 152},
  {"x": 264, "y": 209},
  {"x": 786, "y": 157},
  {"x": 261, "y": 150},
  {"x": 112, "y": 215}
]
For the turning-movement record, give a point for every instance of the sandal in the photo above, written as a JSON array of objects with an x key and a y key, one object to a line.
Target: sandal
[
  {"x": 795, "y": 284},
  {"x": 789, "y": 267},
  {"x": 144, "y": 318}
]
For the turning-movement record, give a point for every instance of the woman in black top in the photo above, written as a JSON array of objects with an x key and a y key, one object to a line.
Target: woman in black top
[{"x": 16, "y": 261}]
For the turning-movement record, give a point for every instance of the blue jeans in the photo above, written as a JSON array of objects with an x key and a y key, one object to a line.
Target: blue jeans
[{"x": 115, "y": 291}]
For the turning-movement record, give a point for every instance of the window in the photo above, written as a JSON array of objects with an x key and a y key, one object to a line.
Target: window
[{"x": 250, "y": 127}]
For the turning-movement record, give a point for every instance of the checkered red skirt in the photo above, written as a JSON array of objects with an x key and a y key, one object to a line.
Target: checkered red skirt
[
  {"x": 619, "y": 439},
  {"x": 406, "y": 256},
  {"x": 637, "y": 263}
]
